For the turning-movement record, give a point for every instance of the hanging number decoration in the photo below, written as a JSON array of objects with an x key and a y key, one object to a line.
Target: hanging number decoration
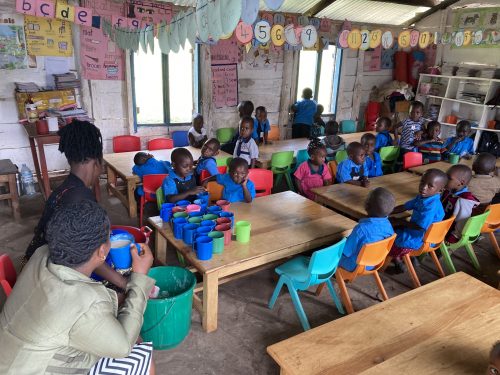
[
  {"x": 262, "y": 31},
  {"x": 437, "y": 38},
  {"x": 478, "y": 37},
  {"x": 365, "y": 40},
  {"x": 387, "y": 39},
  {"x": 459, "y": 39},
  {"x": 309, "y": 36},
  {"x": 414, "y": 35},
  {"x": 277, "y": 35},
  {"x": 290, "y": 36},
  {"x": 375, "y": 38},
  {"x": 244, "y": 32},
  {"x": 404, "y": 39},
  {"x": 446, "y": 38},
  {"x": 354, "y": 39},
  {"x": 279, "y": 19},
  {"x": 202, "y": 19},
  {"x": 273, "y": 4},
  {"x": 467, "y": 37},
  {"x": 343, "y": 39},
  {"x": 303, "y": 21},
  {"x": 424, "y": 39}
]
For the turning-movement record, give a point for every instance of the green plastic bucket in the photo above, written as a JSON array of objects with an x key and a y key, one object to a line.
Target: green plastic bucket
[{"x": 167, "y": 320}]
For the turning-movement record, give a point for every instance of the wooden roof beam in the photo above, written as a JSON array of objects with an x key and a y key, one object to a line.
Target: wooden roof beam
[
  {"x": 416, "y": 3},
  {"x": 323, "y": 4}
]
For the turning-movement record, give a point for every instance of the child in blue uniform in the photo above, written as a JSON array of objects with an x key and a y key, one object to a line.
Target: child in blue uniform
[
  {"x": 372, "y": 159},
  {"x": 427, "y": 209},
  {"x": 383, "y": 138},
  {"x": 461, "y": 144},
  {"x": 376, "y": 227},
  {"x": 181, "y": 183},
  {"x": 354, "y": 170},
  {"x": 246, "y": 147},
  {"x": 431, "y": 146},
  {"x": 207, "y": 161},
  {"x": 261, "y": 126},
  {"x": 304, "y": 110},
  {"x": 146, "y": 164}
]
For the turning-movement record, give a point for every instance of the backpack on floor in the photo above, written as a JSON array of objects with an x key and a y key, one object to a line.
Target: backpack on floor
[{"x": 489, "y": 143}]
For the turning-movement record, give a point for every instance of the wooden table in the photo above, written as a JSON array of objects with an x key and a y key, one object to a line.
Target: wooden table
[
  {"x": 350, "y": 199},
  {"x": 121, "y": 164},
  {"x": 283, "y": 225},
  {"x": 445, "y": 327},
  {"x": 8, "y": 173},
  {"x": 443, "y": 165},
  {"x": 266, "y": 151}
]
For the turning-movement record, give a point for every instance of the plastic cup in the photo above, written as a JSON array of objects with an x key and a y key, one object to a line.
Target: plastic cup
[
  {"x": 223, "y": 204},
  {"x": 226, "y": 229},
  {"x": 208, "y": 223},
  {"x": 229, "y": 215},
  {"x": 214, "y": 210},
  {"x": 188, "y": 232},
  {"x": 193, "y": 208},
  {"x": 204, "y": 247},
  {"x": 242, "y": 229},
  {"x": 454, "y": 158},
  {"x": 203, "y": 205},
  {"x": 166, "y": 211},
  {"x": 178, "y": 223},
  {"x": 204, "y": 197},
  {"x": 178, "y": 209},
  {"x": 210, "y": 217},
  {"x": 218, "y": 241},
  {"x": 195, "y": 214},
  {"x": 180, "y": 214},
  {"x": 120, "y": 254},
  {"x": 183, "y": 203},
  {"x": 223, "y": 220},
  {"x": 195, "y": 220}
]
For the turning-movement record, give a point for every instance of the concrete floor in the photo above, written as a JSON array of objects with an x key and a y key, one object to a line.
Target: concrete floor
[{"x": 246, "y": 325}]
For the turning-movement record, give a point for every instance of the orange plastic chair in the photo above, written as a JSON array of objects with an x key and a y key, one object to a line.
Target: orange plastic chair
[
  {"x": 412, "y": 159},
  {"x": 371, "y": 255},
  {"x": 433, "y": 237},
  {"x": 263, "y": 181},
  {"x": 491, "y": 224},
  {"x": 7, "y": 270},
  {"x": 274, "y": 133},
  {"x": 205, "y": 174},
  {"x": 332, "y": 165},
  {"x": 160, "y": 144},
  {"x": 215, "y": 190},
  {"x": 126, "y": 143},
  {"x": 150, "y": 183}
]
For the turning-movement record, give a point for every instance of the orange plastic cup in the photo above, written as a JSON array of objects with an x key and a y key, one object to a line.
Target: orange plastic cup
[{"x": 451, "y": 119}]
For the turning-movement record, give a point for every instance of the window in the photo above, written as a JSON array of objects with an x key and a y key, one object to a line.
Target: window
[
  {"x": 320, "y": 71},
  {"x": 165, "y": 87}
]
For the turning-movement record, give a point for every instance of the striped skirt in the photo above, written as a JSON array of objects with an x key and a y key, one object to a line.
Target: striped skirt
[{"x": 137, "y": 363}]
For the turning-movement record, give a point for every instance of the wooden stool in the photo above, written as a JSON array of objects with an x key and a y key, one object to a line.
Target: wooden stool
[{"x": 8, "y": 172}]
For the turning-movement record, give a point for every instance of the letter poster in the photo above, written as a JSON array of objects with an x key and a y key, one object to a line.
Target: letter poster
[
  {"x": 48, "y": 37},
  {"x": 225, "y": 85}
]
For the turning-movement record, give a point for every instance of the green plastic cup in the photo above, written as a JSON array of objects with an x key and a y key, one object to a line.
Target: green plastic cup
[
  {"x": 195, "y": 220},
  {"x": 454, "y": 158},
  {"x": 242, "y": 229},
  {"x": 218, "y": 241},
  {"x": 180, "y": 214},
  {"x": 210, "y": 217}
]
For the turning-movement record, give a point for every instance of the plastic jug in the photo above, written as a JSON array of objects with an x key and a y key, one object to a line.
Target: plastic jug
[{"x": 27, "y": 180}]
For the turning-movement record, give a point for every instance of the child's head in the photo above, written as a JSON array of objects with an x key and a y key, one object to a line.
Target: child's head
[
  {"x": 368, "y": 141},
  {"x": 317, "y": 151},
  {"x": 382, "y": 124},
  {"x": 416, "y": 110},
  {"x": 432, "y": 182},
  {"x": 210, "y": 148},
  {"x": 494, "y": 366},
  {"x": 379, "y": 203},
  {"x": 463, "y": 129},
  {"x": 246, "y": 127},
  {"x": 245, "y": 108},
  {"x": 197, "y": 122},
  {"x": 141, "y": 158},
  {"x": 459, "y": 176},
  {"x": 484, "y": 163},
  {"x": 307, "y": 93},
  {"x": 319, "y": 109},
  {"x": 182, "y": 162},
  {"x": 332, "y": 128},
  {"x": 261, "y": 113},
  {"x": 433, "y": 129},
  {"x": 238, "y": 170},
  {"x": 356, "y": 152}
]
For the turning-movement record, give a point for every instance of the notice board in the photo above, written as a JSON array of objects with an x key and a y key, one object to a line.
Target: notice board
[{"x": 225, "y": 85}]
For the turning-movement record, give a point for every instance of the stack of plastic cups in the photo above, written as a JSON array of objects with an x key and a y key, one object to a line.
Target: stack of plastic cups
[
  {"x": 223, "y": 204},
  {"x": 178, "y": 225},
  {"x": 166, "y": 211},
  {"x": 202, "y": 204},
  {"x": 214, "y": 210},
  {"x": 229, "y": 215},
  {"x": 188, "y": 232},
  {"x": 183, "y": 203}
]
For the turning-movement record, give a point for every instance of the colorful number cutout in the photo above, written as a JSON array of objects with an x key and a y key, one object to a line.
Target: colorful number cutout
[
  {"x": 262, "y": 31},
  {"x": 404, "y": 39},
  {"x": 387, "y": 39},
  {"x": 309, "y": 36},
  {"x": 354, "y": 39},
  {"x": 244, "y": 32},
  {"x": 277, "y": 35},
  {"x": 365, "y": 40},
  {"x": 343, "y": 39},
  {"x": 424, "y": 39},
  {"x": 414, "y": 35},
  {"x": 375, "y": 38}
]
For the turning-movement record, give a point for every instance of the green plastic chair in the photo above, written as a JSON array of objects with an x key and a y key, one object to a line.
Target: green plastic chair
[
  {"x": 223, "y": 161},
  {"x": 281, "y": 164},
  {"x": 302, "y": 272},
  {"x": 389, "y": 155},
  {"x": 160, "y": 198},
  {"x": 340, "y": 156},
  {"x": 347, "y": 126},
  {"x": 470, "y": 234},
  {"x": 224, "y": 135}
]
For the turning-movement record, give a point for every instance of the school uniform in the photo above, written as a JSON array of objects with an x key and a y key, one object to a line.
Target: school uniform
[
  {"x": 260, "y": 128},
  {"x": 349, "y": 170},
  {"x": 464, "y": 147},
  {"x": 197, "y": 136},
  {"x": 207, "y": 164},
  {"x": 151, "y": 166},
  {"x": 310, "y": 179},
  {"x": 233, "y": 192},
  {"x": 382, "y": 139},
  {"x": 246, "y": 149},
  {"x": 305, "y": 109},
  {"x": 374, "y": 166},
  {"x": 173, "y": 185},
  {"x": 368, "y": 230},
  {"x": 459, "y": 204},
  {"x": 431, "y": 151},
  {"x": 410, "y": 127}
]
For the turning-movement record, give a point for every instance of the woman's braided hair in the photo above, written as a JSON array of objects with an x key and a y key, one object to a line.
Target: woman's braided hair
[{"x": 80, "y": 141}]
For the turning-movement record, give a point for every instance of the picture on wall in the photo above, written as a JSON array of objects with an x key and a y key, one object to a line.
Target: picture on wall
[{"x": 12, "y": 47}]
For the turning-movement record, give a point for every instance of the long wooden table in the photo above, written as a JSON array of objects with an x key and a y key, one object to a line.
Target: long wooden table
[
  {"x": 121, "y": 164},
  {"x": 443, "y": 165},
  {"x": 350, "y": 199},
  {"x": 445, "y": 327},
  {"x": 283, "y": 225}
]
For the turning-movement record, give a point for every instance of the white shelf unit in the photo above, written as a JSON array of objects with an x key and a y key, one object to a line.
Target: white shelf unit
[{"x": 447, "y": 92}]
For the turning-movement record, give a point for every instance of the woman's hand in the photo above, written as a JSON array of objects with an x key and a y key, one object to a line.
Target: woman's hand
[{"x": 141, "y": 262}]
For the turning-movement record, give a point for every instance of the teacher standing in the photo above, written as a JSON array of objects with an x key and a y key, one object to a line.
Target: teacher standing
[{"x": 304, "y": 111}]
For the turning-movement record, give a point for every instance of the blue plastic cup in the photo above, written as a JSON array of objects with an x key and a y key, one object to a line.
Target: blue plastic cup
[
  {"x": 178, "y": 223},
  {"x": 166, "y": 211},
  {"x": 214, "y": 210},
  {"x": 183, "y": 203},
  {"x": 195, "y": 214},
  {"x": 204, "y": 197},
  {"x": 188, "y": 232},
  {"x": 208, "y": 223},
  {"x": 229, "y": 215},
  {"x": 204, "y": 230},
  {"x": 204, "y": 246},
  {"x": 203, "y": 205},
  {"x": 120, "y": 254}
]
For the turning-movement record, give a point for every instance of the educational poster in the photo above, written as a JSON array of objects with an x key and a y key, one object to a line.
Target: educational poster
[
  {"x": 48, "y": 37},
  {"x": 372, "y": 59},
  {"x": 12, "y": 47},
  {"x": 225, "y": 85},
  {"x": 226, "y": 51},
  {"x": 483, "y": 25},
  {"x": 149, "y": 12},
  {"x": 387, "y": 58}
]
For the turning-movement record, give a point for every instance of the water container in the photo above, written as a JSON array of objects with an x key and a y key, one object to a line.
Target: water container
[{"x": 27, "y": 180}]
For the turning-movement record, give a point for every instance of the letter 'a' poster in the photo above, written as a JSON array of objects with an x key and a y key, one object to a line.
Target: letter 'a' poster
[{"x": 48, "y": 37}]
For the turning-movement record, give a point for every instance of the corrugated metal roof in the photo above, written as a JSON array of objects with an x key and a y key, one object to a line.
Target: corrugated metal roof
[
  {"x": 292, "y": 6},
  {"x": 370, "y": 12}
]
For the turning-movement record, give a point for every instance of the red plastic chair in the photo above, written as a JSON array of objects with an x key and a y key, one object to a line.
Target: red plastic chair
[
  {"x": 126, "y": 143},
  {"x": 160, "y": 144},
  {"x": 8, "y": 275},
  {"x": 262, "y": 179},
  {"x": 7, "y": 289},
  {"x": 412, "y": 159},
  {"x": 205, "y": 174},
  {"x": 150, "y": 183}
]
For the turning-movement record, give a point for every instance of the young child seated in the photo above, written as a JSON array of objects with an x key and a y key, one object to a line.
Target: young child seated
[
  {"x": 457, "y": 200},
  {"x": 332, "y": 140},
  {"x": 261, "y": 126},
  {"x": 430, "y": 145},
  {"x": 245, "y": 109},
  {"x": 313, "y": 172},
  {"x": 246, "y": 147},
  {"x": 207, "y": 161},
  {"x": 181, "y": 183},
  {"x": 383, "y": 138},
  {"x": 354, "y": 170},
  {"x": 410, "y": 129},
  {"x": 461, "y": 144},
  {"x": 146, "y": 164},
  {"x": 427, "y": 209},
  {"x": 484, "y": 185},
  {"x": 372, "y": 158},
  {"x": 494, "y": 366},
  {"x": 197, "y": 135},
  {"x": 318, "y": 127},
  {"x": 376, "y": 227},
  {"x": 237, "y": 186}
]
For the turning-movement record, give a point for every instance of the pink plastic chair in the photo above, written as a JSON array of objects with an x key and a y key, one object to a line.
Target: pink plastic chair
[{"x": 412, "y": 159}]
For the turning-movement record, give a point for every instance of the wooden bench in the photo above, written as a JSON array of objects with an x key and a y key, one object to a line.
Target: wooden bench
[{"x": 8, "y": 172}]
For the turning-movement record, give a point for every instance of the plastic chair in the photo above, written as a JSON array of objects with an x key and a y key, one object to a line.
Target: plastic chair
[
  {"x": 281, "y": 164},
  {"x": 160, "y": 197},
  {"x": 180, "y": 138},
  {"x": 150, "y": 183},
  {"x": 263, "y": 181},
  {"x": 492, "y": 224},
  {"x": 389, "y": 155},
  {"x": 433, "y": 238},
  {"x": 225, "y": 135},
  {"x": 126, "y": 143},
  {"x": 7, "y": 270},
  {"x": 160, "y": 144},
  {"x": 274, "y": 133},
  {"x": 470, "y": 233},
  {"x": 302, "y": 272},
  {"x": 347, "y": 126},
  {"x": 332, "y": 165},
  {"x": 340, "y": 156},
  {"x": 223, "y": 161},
  {"x": 204, "y": 173},
  {"x": 215, "y": 191},
  {"x": 412, "y": 159},
  {"x": 301, "y": 157},
  {"x": 371, "y": 255}
]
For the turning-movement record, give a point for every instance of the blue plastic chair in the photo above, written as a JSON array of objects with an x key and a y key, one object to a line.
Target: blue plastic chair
[
  {"x": 301, "y": 157},
  {"x": 302, "y": 272},
  {"x": 180, "y": 138},
  {"x": 347, "y": 126}
]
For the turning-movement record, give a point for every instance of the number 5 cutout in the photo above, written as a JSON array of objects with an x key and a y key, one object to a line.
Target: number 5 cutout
[{"x": 262, "y": 30}]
